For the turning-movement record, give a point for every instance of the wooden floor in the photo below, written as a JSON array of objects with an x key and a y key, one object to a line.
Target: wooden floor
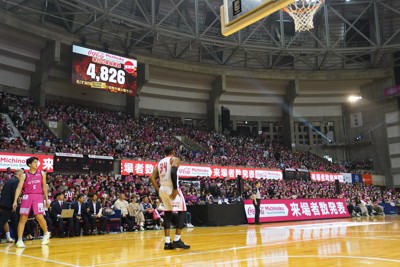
[{"x": 345, "y": 242}]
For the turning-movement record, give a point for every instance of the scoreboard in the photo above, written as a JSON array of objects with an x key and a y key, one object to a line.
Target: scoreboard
[{"x": 102, "y": 70}]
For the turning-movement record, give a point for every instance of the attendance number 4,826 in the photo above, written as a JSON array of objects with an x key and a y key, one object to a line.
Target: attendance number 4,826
[{"x": 106, "y": 74}]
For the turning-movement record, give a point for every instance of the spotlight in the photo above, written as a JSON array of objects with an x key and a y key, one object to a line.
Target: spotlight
[{"x": 354, "y": 98}]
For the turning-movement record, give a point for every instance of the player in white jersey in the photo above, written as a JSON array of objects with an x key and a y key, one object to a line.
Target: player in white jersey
[{"x": 171, "y": 196}]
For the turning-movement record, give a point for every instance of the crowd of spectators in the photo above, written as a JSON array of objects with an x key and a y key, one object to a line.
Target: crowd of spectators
[
  {"x": 8, "y": 140},
  {"x": 99, "y": 131},
  {"x": 138, "y": 201}
]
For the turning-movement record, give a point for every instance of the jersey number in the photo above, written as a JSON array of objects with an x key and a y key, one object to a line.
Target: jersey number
[{"x": 163, "y": 168}]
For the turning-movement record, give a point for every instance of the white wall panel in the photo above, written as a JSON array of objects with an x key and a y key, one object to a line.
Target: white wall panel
[
  {"x": 15, "y": 79},
  {"x": 396, "y": 179},
  {"x": 162, "y": 104},
  {"x": 255, "y": 110},
  {"x": 394, "y": 148},
  {"x": 312, "y": 111},
  {"x": 395, "y": 162},
  {"x": 392, "y": 117},
  {"x": 393, "y": 131}
]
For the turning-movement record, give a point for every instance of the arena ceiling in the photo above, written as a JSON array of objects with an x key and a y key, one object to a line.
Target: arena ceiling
[{"x": 348, "y": 34}]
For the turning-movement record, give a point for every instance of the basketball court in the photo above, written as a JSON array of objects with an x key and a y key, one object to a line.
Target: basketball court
[{"x": 347, "y": 242}]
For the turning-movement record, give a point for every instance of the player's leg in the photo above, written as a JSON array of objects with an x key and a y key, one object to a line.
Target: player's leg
[
  {"x": 181, "y": 207},
  {"x": 38, "y": 211},
  {"x": 21, "y": 226},
  {"x": 164, "y": 196},
  {"x": 43, "y": 224},
  {"x": 25, "y": 209},
  {"x": 178, "y": 243}
]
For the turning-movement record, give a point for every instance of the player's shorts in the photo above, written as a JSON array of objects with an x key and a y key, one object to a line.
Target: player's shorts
[
  {"x": 178, "y": 204},
  {"x": 32, "y": 201}
]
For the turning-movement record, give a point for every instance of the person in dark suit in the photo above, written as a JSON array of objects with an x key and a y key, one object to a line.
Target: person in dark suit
[
  {"x": 93, "y": 212},
  {"x": 257, "y": 201},
  {"x": 79, "y": 207},
  {"x": 6, "y": 204},
  {"x": 55, "y": 211}
]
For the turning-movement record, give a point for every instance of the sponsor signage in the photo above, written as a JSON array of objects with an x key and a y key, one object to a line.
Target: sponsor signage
[
  {"x": 69, "y": 155},
  {"x": 100, "y": 157},
  {"x": 326, "y": 177},
  {"x": 392, "y": 91},
  {"x": 187, "y": 171},
  {"x": 18, "y": 161},
  {"x": 275, "y": 210}
]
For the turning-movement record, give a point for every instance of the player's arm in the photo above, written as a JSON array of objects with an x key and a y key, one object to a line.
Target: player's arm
[
  {"x": 18, "y": 190},
  {"x": 153, "y": 178},
  {"x": 174, "y": 176},
  {"x": 44, "y": 185}
]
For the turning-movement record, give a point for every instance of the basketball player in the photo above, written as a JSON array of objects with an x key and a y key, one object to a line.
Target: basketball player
[
  {"x": 171, "y": 196},
  {"x": 33, "y": 183}
]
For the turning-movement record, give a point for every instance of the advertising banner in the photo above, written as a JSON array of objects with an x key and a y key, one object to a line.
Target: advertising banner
[
  {"x": 279, "y": 210},
  {"x": 356, "y": 178},
  {"x": 326, "y": 177},
  {"x": 392, "y": 91},
  {"x": 347, "y": 178},
  {"x": 367, "y": 179},
  {"x": 18, "y": 161},
  {"x": 188, "y": 171}
]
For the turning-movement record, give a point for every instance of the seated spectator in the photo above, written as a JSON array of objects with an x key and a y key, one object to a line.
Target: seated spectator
[
  {"x": 92, "y": 212},
  {"x": 150, "y": 212},
  {"x": 78, "y": 207},
  {"x": 136, "y": 213},
  {"x": 377, "y": 209},
  {"x": 122, "y": 205},
  {"x": 56, "y": 208}
]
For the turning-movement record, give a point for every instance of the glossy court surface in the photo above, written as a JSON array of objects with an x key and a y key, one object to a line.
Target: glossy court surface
[{"x": 370, "y": 241}]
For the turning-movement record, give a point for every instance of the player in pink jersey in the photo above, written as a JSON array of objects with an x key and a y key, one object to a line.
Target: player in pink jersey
[{"x": 33, "y": 183}]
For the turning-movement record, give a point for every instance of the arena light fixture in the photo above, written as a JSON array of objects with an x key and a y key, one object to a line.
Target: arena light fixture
[{"x": 354, "y": 98}]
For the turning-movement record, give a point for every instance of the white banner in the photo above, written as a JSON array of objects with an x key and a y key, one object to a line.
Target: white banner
[
  {"x": 53, "y": 124},
  {"x": 193, "y": 171},
  {"x": 70, "y": 155},
  {"x": 347, "y": 178},
  {"x": 268, "y": 174},
  {"x": 100, "y": 157},
  {"x": 18, "y": 161}
]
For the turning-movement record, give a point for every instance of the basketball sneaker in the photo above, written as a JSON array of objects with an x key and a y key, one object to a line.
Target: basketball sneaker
[
  {"x": 46, "y": 238},
  {"x": 180, "y": 244},
  {"x": 168, "y": 246},
  {"x": 20, "y": 244}
]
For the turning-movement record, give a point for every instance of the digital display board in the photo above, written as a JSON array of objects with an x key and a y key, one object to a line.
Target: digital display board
[{"x": 102, "y": 70}]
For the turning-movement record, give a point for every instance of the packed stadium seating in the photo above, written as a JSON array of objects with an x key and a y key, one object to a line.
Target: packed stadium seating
[{"x": 114, "y": 133}]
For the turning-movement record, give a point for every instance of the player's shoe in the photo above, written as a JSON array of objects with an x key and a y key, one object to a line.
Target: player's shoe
[
  {"x": 168, "y": 246},
  {"x": 46, "y": 239},
  {"x": 20, "y": 244},
  {"x": 10, "y": 240},
  {"x": 180, "y": 244}
]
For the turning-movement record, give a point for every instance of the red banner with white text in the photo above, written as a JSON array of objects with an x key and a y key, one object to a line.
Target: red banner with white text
[
  {"x": 18, "y": 161},
  {"x": 188, "y": 171},
  {"x": 277, "y": 210}
]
